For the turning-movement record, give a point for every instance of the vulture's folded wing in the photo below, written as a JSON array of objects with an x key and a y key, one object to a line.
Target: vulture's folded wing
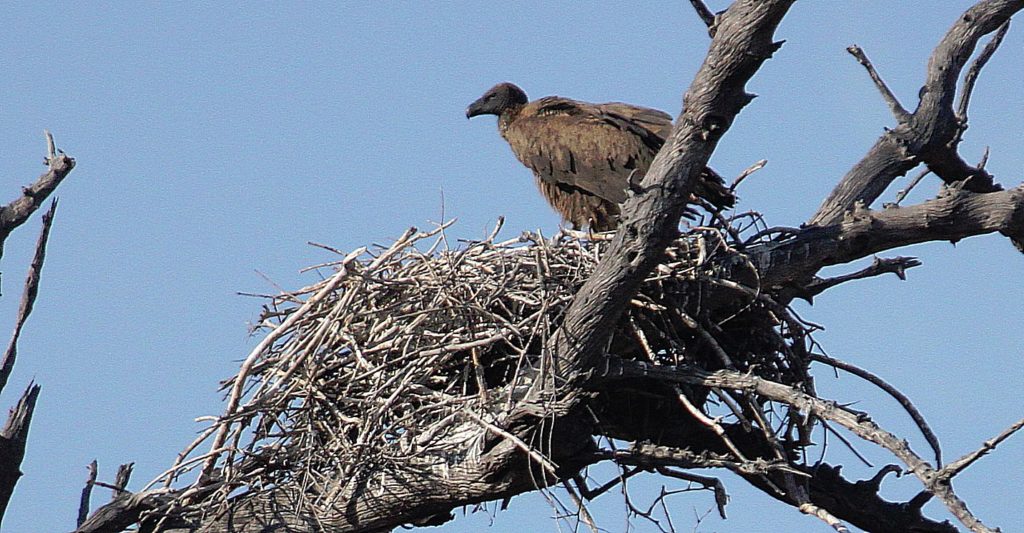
[
  {"x": 590, "y": 147},
  {"x": 653, "y": 120}
]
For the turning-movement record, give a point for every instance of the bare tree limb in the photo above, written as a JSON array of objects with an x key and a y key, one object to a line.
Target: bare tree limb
[
  {"x": 12, "y": 443},
  {"x": 28, "y": 297},
  {"x": 972, "y": 73},
  {"x": 32, "y": 197},
  {"x": 905, "y": 402},
  {"x": 954, "y": 215},
  {"x": 897, "y": 109},
  {"x": 894, "y": 265},
  {"x": 15, "y": 433},
  {"x": 857, "y": 423},
  {"x": 928, "y": 132},
  {"x": 704, "y": 13},
  {"x": 84, "y": 502},
  {"x": 124, "y": 474},
  {"x": 954, "y": 468}
]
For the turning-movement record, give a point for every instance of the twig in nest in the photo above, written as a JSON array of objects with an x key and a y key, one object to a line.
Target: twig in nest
[
  {"x": 711, "y": 483},
  {"x": 749, "y": 170}
]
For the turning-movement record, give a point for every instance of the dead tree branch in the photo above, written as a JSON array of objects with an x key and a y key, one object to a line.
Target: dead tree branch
[
  {"x": 972, "y": 74},
  {"x": 32, "y": 197},
  {"x": 954, "y": 215},
  {"x": 905, "y": 402},
  {"x": 28, "y": 296},
  {"x": 857, "y": 423},
  {"x": 15, "y": 433},
  {"x": 84, "y": 502},
  {"x": 13, "y": 438},
  {"x": 954, "y": 468},
  {"x": 927, "y": 134},
  {"x": 704, "y": 13},
  {"x": 895, "y": 106},
  {"x": 894, "y": 265}
]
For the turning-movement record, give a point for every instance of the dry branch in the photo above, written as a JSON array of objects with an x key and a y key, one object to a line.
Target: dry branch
[
  {"x": 28, "y": 296},
  {"x": 32, "y": 197},
  {"x": 84, "y": 501},
  {"x": 858, "y": 423},
  {"x": 14, "y": 435},
  {"x": 953, "y": 216},
  {"x": 928, "y": 135}
]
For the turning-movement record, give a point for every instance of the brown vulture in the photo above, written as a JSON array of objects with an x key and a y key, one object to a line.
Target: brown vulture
[{"x": 583, "y": 154}]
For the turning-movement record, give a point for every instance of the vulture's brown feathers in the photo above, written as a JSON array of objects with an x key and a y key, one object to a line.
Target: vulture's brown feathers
[{"x": 583, "y": 154}]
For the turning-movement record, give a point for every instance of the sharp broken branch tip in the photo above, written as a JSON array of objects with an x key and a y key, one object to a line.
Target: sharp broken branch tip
[{"x": 897, "y": 109}]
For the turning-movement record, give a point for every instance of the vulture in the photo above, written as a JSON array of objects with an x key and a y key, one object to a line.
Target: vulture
[{"x": 583, "y": 155}]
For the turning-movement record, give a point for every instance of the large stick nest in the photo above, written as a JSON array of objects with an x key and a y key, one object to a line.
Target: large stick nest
[{"x": 382, "y": 364}]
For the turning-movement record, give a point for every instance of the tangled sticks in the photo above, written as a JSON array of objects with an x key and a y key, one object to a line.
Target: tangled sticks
[{"x": 408, "y": 360}]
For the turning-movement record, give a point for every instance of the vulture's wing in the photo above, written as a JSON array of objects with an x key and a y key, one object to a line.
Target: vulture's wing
[
  {"x": 711, "y": 187},
  {"x": 658, "y": 122},
  {"x": 590, "y": 147}
]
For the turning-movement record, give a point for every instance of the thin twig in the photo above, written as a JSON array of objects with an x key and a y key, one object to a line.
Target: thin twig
[
  {"x": 954, "y": 468},
  {"x": 975, "y": 69},
  {"x": 747, "y": 172},
  {"x": 903, "y": 400},
  {"x": 902, "y": 193},
  {"x": 711, "y": 483},
  {"x": 712, "y": 424},
  {"x": 895, "y": 107}
]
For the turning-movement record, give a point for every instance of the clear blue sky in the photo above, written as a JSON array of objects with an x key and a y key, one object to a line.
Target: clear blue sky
[{"x": 214, "y": 141}]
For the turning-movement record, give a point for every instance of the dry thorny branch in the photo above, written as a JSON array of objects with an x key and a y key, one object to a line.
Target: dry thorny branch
[{"x": 418, "y": 377}]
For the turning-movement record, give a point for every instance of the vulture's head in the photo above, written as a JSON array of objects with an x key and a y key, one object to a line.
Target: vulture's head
[{"x": 496, "y": 100}]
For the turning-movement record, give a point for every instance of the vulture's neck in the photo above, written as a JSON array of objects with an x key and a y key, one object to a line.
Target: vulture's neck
[{"x": 507, "y": 117}]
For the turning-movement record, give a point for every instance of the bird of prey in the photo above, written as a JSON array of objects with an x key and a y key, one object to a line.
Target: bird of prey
[{"x": 583, "y": 155}]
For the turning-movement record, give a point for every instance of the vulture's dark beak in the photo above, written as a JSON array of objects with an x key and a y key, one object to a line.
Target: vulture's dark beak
[{"x": 474, "y": 109}]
